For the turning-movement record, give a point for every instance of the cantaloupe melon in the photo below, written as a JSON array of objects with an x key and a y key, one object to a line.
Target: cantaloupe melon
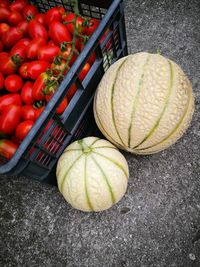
[
  {"x": 144, "y": 103},
  {"x": 92, "y": 174}
]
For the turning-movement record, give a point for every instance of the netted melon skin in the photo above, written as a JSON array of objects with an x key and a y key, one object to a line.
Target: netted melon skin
[
  {"x": 144, "y": 103},
  {"x": 92, "y": 174}
]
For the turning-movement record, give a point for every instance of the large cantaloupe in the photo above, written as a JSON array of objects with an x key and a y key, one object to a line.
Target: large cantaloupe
[
  {"x": 144, "y": 103},
  {"x": 92, "y": 174}
]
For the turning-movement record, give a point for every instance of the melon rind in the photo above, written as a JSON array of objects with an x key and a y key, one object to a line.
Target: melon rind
[
  {"x": 92, "y": 174},
  {"x": 144, "y": 103}
]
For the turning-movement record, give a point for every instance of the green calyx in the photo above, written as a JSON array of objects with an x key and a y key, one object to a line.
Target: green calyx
[{"x": 84, "y": 147}]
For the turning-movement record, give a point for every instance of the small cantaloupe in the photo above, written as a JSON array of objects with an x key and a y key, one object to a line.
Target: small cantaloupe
[
  {"x": 144, "y": 103},
  {"x": 92, "y": 174}
]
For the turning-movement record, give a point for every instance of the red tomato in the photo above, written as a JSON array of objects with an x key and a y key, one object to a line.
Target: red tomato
[
  {"x": 69, "y": 17},
  {"x": 4, "y": 3},
  {"x": 39, "y": 86},
  {"x": 40, "y": 18},
  {"x": 57, "y": 68},
  {"x": 18, "y": 5},
  {"x": 1, "y": 46},
  {"x": 29, "y": 11},
  {"x": 23, "y": 70},
  {"x": 91, "y": 26},
  {"x": 1, "y": 81},
  {"x": 27, "y": 93},
  {"x": 36, "y": 29},
  {"x": 38, "y": 112},
  {"x": 61, "y": 10},
  {"x": 4, "y": 54},
  {"x": 62, "y": 106},
  {"x": 7, "y": 64},
  {"x": 19, "y": 51},
  {"x": 4, "y": 27},
  {"x": 4, "y": 14},
  {"x": 71, "y": 92},
  {"x": 84, "y": 71},
  {"x": 24, "y": 41},
  {"x": 52, "y": 14},
  {"x": 10, "y": 118},
  {"x": 23, "y": 128},
  {"x": 9, "y": 99},
  {"x": 51, "y": 43},
  {"x": 92, "y": 56},
  {"x": 23, "y": 27},
  {"x": 33, "y": 47},
  {"x": 7, "y": 148},
  {"x": 48, "y": 52},
  {"x": 14, "y": 18},
  {"x": 35, "y": 68},
  {"x": 13, "y": 83},
  {"x": 59, "y": 33},
  {"x": 11, "y": 37},
  {"x": 66, "y": 51},
  {"x": 28, "y": 113}
]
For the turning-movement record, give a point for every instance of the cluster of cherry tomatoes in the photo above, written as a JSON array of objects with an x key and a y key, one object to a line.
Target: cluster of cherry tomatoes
[{"x": 35, "y": 49}]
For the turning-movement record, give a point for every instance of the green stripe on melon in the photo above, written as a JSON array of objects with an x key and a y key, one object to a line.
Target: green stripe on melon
[{"x": 142, "y": 103}]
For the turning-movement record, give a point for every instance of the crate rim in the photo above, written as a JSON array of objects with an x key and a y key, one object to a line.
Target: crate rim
[{"x": 67, "y": 81}]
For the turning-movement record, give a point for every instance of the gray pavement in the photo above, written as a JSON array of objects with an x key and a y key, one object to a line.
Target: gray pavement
[{"x": 157, "y": 223}]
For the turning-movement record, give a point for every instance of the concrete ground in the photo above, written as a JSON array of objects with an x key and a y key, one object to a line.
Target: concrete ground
[{"x": 157, "y": 223}]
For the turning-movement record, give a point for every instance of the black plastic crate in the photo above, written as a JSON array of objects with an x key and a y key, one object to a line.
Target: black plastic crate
[{"x": 37, "y": 155}]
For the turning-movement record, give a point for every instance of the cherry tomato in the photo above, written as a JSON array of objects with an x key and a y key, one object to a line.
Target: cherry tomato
[
  {"x": 39, "y": 86},
  {"x": 28, "y": 113},
  {"x": 71, "y": 92},
  {"x": 50, "y": 42},
  {"x": 62, "y": 106},
  {"x": 36, "y": 29},
  {"x": 14, "y": 18},
  {"x": 18, "y": 5},
  {"x": 4, "y": 3},
  {"x": 7, "y": 148},
  {"x": 4, "y": 27},
  {"x": 4, "y": 14},
  {"x": 10, "y": 118},
  {"x": 11, "y": 37},
  {"x": 8, "y": 65},
  {"x": 66, "y": 51},
  {"x": 1, "y": 81},
  {"x": 9, "y": 99},
  {"x": 58, "y": 67},
  {"x": 40, "y": 18},
  {"x": 23, "y": 27},
  {"x": 13, "y": 83},
  {"x": 69, "y": 17},
  {"x": 19, "y": 51},
  {"x": 59, "y": 33},
  {"x": 23, "y": 128},
  {"x": 53, "y": 14},
  {"x": 91, "y": 26},
  {"x": 23, "y": 70},
  {"x": 24, "y": 41},
  {"x": 38, "y": 112},
  {"x": 61, "y": 10},
  {"x": 84, "y": 71},
  {"x": 35, "y": 68},
  {"x": 33, "y": 47},
  {"x": 48, "y": 52},
  {"x": 27, "y": 93},
  {"x": 92, "y": 56},
  {"x": 29, "y": 11}
]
